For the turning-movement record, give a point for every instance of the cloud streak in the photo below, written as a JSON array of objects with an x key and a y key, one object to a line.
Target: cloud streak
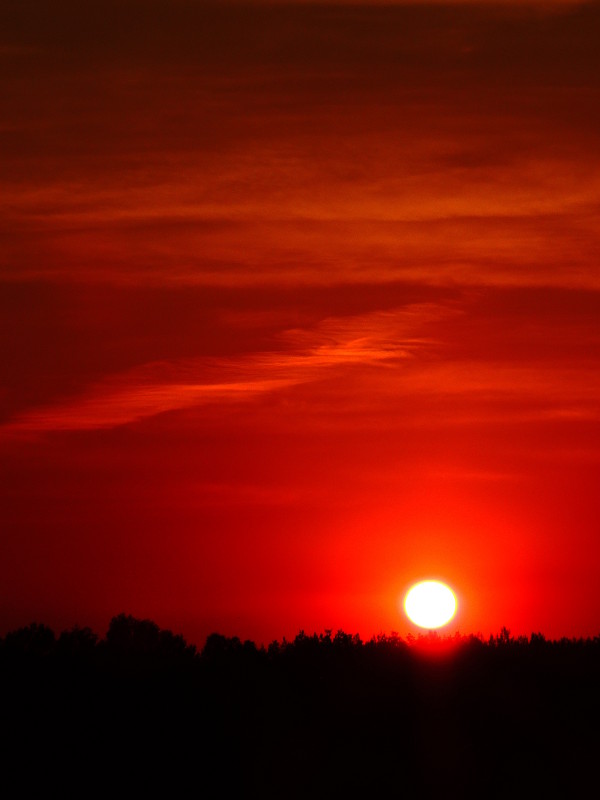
[
  {"x": 389, "y": 355},
  {"x": 157, "y": 388}
]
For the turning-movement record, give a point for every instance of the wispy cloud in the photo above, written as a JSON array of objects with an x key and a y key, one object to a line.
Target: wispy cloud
[
  {"x": 305, "y": 355},
  {"x": 399, "y": 358}
]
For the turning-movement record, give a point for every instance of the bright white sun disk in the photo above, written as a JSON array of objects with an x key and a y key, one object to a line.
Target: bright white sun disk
[{"x": 430, "y": 604}]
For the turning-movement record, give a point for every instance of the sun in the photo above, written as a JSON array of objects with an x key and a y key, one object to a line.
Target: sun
[{"x": 430, "y": 604}]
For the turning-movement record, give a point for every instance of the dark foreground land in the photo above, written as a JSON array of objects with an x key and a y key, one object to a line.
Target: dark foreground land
[{"x": 323, "y": 716}]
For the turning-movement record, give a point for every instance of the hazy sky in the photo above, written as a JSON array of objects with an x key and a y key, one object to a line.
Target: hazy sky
[{"x": 299, "y": 304}]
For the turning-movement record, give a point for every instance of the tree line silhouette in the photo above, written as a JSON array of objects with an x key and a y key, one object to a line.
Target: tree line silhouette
[{"x": 322, "y": 715}]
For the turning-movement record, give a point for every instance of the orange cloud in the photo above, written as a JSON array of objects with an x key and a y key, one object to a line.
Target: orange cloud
[{"x": 157, "y": 388}]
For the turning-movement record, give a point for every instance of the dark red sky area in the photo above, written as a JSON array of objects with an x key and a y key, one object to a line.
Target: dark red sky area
[{"x": 299, "y": 304}]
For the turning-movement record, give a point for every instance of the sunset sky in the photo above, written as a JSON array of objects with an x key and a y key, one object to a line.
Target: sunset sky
[{"x": 299, "y": 304}]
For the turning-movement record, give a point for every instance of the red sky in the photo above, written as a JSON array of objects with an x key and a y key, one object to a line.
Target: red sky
[{"x": 299, "y": 304}]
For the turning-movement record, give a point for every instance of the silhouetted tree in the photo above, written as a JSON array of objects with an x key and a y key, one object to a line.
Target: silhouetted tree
[
  {"x": 35, "y": 640},
  {"x": 77, "y": 643},
  {"x": 217, "y": 648},
  {"x": 130, "y": 636},
  {"x": 141, "y": 642}
]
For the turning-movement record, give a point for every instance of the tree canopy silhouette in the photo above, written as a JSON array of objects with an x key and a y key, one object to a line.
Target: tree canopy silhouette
[{"x": 324, "y": 714}]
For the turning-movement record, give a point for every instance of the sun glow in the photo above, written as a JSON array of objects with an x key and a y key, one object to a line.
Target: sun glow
[{"x": 430, "y": 604}]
